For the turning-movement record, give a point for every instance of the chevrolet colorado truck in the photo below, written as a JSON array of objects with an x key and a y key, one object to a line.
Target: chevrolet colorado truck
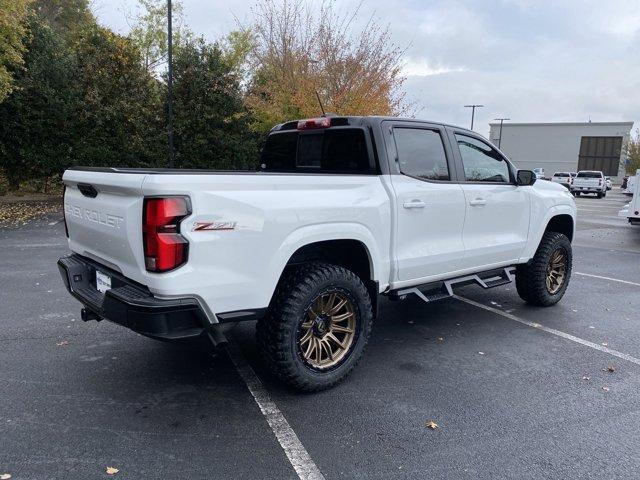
[{"x": 340, "y": 211}]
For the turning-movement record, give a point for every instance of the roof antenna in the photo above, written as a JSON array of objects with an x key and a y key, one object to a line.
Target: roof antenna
[{"x": 320, "y": 102}]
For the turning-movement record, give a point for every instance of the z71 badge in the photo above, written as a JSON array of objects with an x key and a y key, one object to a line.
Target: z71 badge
[{"x": 197, "y": 226}]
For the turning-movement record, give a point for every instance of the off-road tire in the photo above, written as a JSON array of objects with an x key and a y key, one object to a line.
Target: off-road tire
[
  {"x": 531, "y": 276},
  {"x": 277, "y": 331}
]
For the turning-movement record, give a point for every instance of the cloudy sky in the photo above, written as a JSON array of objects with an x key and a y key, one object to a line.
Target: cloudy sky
[{"x": 529, "y": 60}]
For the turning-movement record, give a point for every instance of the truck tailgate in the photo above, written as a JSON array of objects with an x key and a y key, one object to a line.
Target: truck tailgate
[{"x": 103, "y": 211}]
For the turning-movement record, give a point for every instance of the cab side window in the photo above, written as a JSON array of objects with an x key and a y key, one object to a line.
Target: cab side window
[
  {"x": 421, "y": 153},
  {"x": 481, "y": 162}
]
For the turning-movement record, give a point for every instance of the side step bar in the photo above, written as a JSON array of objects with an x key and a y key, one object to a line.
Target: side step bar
[{"x": 430, "y": 292}]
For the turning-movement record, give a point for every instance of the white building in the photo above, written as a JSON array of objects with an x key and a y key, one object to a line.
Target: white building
[{"x": 565, "y": 147}]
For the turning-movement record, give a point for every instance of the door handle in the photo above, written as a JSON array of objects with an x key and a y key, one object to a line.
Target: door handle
[
  {"x": 477, "y": 202},
  {"x": 414, "y": 204}
]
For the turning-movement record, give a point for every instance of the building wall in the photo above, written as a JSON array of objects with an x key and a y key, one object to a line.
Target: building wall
[{"x": 553, "y": 146}]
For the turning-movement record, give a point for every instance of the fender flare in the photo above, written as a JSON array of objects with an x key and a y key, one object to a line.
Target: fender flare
[
  {"x": 536, "y": 236},
  {"x": 324, "y": 232}
]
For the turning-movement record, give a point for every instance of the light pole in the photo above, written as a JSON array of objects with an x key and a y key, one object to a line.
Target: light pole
[
  {"x": 473, "y": 111},
  {"x": 501, "y": 122},
  {"x": 170, "y": 86}
]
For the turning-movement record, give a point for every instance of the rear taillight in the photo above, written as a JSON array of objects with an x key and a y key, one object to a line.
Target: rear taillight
[{"x": 164, "y": 247}]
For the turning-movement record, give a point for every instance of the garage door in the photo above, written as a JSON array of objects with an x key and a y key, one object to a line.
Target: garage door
[{"x": 600, "y": 153}]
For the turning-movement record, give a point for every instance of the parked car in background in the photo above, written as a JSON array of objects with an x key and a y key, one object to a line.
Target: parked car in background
[
  {"x": 563, "y": 178},
  {"x": 589, "y": 181},
  {"x": 306, "y": 245},
  {"x": 539, "y": 173},
  {"x": 631, "y": 211},
  {"x": 608, "y": 182},
  {"x": 630, "y": 185}
]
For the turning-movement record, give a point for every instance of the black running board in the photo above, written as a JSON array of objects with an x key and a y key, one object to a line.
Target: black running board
[{"x": 430, "y": 292}]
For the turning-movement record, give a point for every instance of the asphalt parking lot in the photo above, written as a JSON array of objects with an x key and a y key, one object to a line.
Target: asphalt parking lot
[{"x": 516, "y": 391}]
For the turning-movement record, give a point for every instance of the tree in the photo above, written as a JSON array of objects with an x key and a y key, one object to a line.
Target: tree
[
  {"x": 119, "y": 119},
  {"x": 211, "y": 122},
  {"x": 149, "y": 32},
  {"x": 299, "y": 50},
  {"x": 632, "y": 152},
  {"x": 66, "y": 17},
  {"x": 13, "y": 30},
  {"x": 37, "y": 119}
]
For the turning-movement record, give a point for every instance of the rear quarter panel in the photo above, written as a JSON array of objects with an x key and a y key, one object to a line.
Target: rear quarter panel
[{"x": 274, "y": 215}]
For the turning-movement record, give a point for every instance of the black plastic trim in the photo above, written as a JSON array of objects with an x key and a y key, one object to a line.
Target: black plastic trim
[
  {"x": 132, "y": 305},
  {"x": 241, "y": 315}
]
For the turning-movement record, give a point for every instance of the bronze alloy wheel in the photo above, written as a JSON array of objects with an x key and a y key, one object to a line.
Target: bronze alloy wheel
[
  {"x": 328, "y": 330},
  {"x": 556, "y": 270}
]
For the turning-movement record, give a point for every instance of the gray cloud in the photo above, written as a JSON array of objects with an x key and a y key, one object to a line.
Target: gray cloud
[{"x": 530, "y": 60}]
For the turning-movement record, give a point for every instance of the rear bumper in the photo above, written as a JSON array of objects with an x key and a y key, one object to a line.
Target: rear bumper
[
  {"x": 588, "y": 189},
  {"x": 132, "y": 305}
]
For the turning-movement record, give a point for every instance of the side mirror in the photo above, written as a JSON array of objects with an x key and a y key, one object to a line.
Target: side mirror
[{"x": 525, "y": 177}]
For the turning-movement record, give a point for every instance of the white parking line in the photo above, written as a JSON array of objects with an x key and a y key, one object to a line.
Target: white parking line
[
  {"x": 608, "y": 278},
  {"x": 553, "y": 331},
  {"x": 289, "y": 441}
]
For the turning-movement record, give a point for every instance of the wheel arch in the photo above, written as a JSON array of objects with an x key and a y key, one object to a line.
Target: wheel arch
[
  {"x": 351, "y": 246},
  {"x": 559, "y": 218},
  {"x": 561, "y": 223}
]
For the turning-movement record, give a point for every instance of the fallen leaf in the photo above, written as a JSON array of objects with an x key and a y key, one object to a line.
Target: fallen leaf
[
  {"x": 432, "y": 425},
  {"x": 604, "y": 344},
  {"x": 574, "y": 310},
  {"x": 609, "y": 369},
  {"x": 5, "y": 476},
  {"x": 480, "y": 353},
  {"x": 585, "y": 378},
  {"x": 606, "y": 389},
  {"x": 112, "y": 470},
  {"x": 63, "y": 343},
  {"x": 591, "y": 326}
]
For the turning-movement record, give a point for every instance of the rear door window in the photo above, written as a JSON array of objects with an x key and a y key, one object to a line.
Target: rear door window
[
  {"x": 590, "y": 174},
  {"x": 340, "y": 150},
  {"x": 421, "y": 153}
]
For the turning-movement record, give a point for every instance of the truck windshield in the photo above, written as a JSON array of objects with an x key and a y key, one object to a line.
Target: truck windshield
[{"x": 341, "y": 150}]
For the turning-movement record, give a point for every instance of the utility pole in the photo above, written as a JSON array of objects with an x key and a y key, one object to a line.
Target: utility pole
[
  {"x": 473, "y": 111},
  {"x": 501, "y": 122},
  {"x": 170, "y": 86}
]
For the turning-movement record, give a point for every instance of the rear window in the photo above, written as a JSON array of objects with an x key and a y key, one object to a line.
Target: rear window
[
  {"x": 341, "y": 150},
  {"x": 560, "y": 174},
  {"x": 590, "y": 174}
]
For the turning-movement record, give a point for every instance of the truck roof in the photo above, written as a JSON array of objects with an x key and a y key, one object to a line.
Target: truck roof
[{"x": 343, "y": 120}]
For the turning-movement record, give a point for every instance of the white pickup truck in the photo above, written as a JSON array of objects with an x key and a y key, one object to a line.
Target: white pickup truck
[
  {"x": 342, "y": 210},
  {"x": 631, "y": 211},
  {"x": 589, "y": 181}
]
